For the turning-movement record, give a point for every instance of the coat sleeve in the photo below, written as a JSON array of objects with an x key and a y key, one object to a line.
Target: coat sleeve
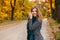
[{"x": 37, "y": 24}]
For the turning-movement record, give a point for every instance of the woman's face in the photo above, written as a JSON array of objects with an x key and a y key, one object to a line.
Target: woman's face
[{"x": 34, "y": 12}]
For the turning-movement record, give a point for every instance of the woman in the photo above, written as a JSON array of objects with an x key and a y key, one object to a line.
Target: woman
[{"x": 34, "y": 25}]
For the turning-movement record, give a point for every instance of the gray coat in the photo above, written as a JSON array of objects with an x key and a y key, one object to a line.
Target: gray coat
[{"x": 36, "y": 28}]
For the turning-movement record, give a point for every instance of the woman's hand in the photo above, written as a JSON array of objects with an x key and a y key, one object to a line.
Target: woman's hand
[{"x": 30, "y": 15}]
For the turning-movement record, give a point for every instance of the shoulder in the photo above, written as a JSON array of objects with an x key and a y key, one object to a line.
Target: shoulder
[{"x": 39, "y": 22}]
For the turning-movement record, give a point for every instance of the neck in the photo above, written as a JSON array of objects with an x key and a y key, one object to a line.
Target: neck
[{"x": 34, "y": 19}]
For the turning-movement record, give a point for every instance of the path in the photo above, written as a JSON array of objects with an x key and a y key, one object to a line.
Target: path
[{"x": 19, "y": 31}]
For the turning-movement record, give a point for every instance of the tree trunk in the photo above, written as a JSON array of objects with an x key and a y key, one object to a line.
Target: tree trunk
[
  {"x": 13, "y": 8},
  {"x": 57, "y": 3}
]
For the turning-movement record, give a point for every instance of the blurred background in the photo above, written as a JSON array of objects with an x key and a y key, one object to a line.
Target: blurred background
[
  {"x": 19, "y": 9},
  {"x": 13, "y": 10}
]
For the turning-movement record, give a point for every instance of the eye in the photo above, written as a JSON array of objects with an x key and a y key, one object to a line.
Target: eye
[{"x": 32, "y": 11}]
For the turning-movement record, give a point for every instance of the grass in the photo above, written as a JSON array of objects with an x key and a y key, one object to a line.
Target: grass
[
  {"x": 58, "y": 21},
  {"x": 8, "y": 22},
  {"x": 54, "y": 25}
]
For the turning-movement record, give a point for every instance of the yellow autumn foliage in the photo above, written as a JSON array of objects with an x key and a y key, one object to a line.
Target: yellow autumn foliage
[
  {"x": 21, "y": 9},
  {"x": 18, "y": 15},
  {"x": 4, "y": 16}
]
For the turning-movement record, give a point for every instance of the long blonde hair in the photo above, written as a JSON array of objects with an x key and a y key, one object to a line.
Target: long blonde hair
[{"x": 39, "y": 15}]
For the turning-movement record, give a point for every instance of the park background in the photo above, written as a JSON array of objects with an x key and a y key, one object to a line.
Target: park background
[{"x": 17, "y": 10}]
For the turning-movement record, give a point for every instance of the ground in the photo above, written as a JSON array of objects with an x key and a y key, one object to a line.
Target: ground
[{"x": 18, "y": 31}]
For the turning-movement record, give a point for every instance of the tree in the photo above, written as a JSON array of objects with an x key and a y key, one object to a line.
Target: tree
[
  {"x": 14, "y": 9},
  {"x": 12, "y": 2},
  {"x": 57, "y": 5}
]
